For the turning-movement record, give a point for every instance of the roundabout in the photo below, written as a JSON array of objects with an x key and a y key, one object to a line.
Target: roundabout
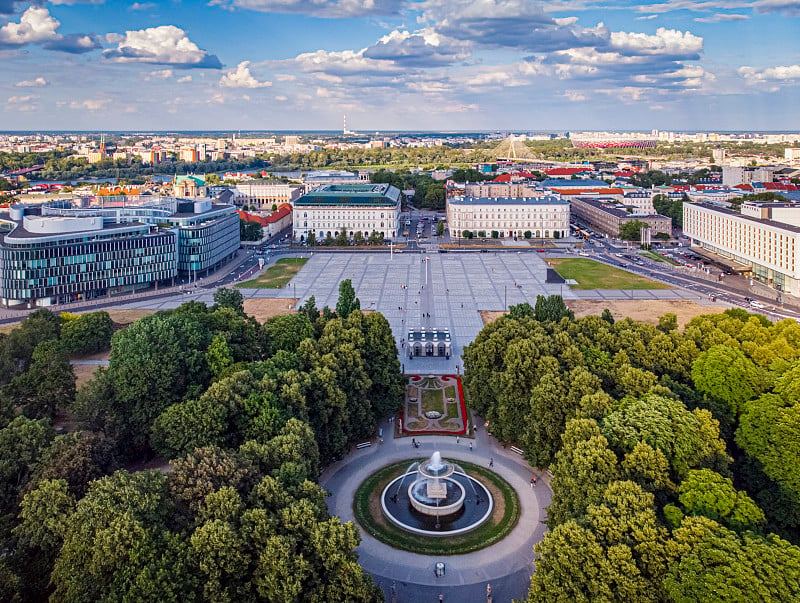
[{"x": 409, "y": 561}]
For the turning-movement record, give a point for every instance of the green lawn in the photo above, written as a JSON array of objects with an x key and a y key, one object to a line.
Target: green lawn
[
  {"x": 594, "y": 275},
  {"x": 660, "y": 258},
  {"x": 277, "y": 275},
  {"x": 432, "y": 400}
]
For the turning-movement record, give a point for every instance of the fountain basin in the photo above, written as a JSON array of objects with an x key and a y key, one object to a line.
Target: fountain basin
[
  {"x": 476, "y": 507},
  {"x": 437, "y": 506}
]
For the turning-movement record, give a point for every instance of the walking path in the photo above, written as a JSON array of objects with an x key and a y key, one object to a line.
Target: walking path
[{"x": 507, "y": 565}]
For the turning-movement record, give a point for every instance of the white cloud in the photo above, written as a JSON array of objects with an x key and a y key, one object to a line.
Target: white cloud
[
  {"x": 424, "y": 48},
  {"x": 161, "y": 74},
  {"x": 323, "y": 92},
  {"x": 281, "y": 98},
  {"x": 91, "y": 104},
  {"x": 781, "y": 74},
  {"x": 22, "y": 103},
  {"x": 36, "y": 25},
  {"x": 142, "y": 6},
  {"x": 721, "y": 18},
  {"x": 184, "y": 79},
  {"x": 316, "y": 8},
  {"x": 342, "y": 63},
  {"x": 668, "y": 42},
  {"x": 575, "y": 96},
  {"x": 326, "y": 77},
  {"x": 34, "y": 83},
  {"x": 164, "y": 45},
  {"x": 520, "y": 24},
  {"x": 285, "y": 77},
  {"x": 241, "y": 78}
]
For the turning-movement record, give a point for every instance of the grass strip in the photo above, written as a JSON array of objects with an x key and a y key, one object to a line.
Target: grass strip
[
  {"x": 590, "y": 274},
  {"x": 276, "y": 276}
]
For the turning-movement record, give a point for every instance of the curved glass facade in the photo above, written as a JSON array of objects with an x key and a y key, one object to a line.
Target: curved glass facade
[{"x": 106, "y": 263}]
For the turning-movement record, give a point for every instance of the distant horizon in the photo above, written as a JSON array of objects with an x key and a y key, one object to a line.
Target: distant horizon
[{"x": 368, "y": 132}]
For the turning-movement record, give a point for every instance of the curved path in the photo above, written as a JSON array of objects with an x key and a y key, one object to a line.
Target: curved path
[{"x": 507, "y": 565}]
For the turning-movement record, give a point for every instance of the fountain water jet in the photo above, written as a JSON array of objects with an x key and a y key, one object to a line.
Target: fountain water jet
[{"x": 436, "y": 503}]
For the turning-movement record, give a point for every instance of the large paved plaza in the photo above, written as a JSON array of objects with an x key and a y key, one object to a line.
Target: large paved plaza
[{"x": 452, "y": 288}]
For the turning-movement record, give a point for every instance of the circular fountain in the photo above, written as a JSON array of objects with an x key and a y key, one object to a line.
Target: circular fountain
[{"x": 441, "y": 500}]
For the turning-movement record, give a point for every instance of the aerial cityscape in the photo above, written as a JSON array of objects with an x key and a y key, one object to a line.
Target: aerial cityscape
[{"x": 380, "y": 300}]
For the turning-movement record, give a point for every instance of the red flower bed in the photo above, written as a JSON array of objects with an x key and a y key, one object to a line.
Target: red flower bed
[{"x": 462, "y": 407}]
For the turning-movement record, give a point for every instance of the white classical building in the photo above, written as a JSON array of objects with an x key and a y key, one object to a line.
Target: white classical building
[
  {"x": 262, "y": 195},
  {"x": 355, "y": 207},
  {"x": 544, "y": 217},
  {"x": 763, "y": 240}
]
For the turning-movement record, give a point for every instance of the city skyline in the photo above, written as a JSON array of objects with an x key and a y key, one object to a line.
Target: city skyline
[{"x": 399, "y": 65}]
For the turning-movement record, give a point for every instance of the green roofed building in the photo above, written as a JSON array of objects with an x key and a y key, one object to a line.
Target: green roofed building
[{"x": 364, "y": 208}]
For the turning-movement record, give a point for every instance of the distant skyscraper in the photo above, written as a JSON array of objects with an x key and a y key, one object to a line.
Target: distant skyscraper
[{"x": 344, "y": 126}]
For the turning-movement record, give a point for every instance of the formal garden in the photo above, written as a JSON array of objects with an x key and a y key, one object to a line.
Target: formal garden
[{"x": 433, "y": 404}]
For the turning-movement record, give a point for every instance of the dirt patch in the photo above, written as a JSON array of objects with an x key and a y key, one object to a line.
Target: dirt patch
[
  {"x": 83, "y": 373},
  {"x": 637, "y": 310},
  {"x": 264, "y": 309}
]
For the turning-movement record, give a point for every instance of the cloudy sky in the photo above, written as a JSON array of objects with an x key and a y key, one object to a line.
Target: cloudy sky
[{"x": 400, "y": 64}]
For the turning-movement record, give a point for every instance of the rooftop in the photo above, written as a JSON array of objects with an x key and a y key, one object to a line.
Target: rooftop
[
  {"x": 549, "y": 200},
  {"x": 351, "y": 194},
  {"x": 736, "y": 214}
]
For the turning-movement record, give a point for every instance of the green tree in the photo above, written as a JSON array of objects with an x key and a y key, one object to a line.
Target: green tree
[
  {"x": 769, "y": 431},
  {"x": 219, "y": 356},
  {"x": 48, "y": 384},
  {"x": 552, "y": 308},
  {"x": 229, "y": 298},
  {"x": 347, "y": 301},
  {"x": 87, "y": 333},
  {"x": 631, "y": 231},
  {"x": 704, "y": 492},
  {"x": 688, "y": 439},
  {"x": 341, "y": 237},
  {"x": 726, "y": 374},
  {"x": 285, "y": 332},
  {"x": 714, "y": 564}
]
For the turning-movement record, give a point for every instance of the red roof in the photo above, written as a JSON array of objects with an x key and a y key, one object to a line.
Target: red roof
[
  {"x": 503, "y": 178},
  {"x": 284, "y": 210},
  {"x": 565, "y": 171},
  {"x": 624, "y": 174},
  {"x": 744, "y": 187}
]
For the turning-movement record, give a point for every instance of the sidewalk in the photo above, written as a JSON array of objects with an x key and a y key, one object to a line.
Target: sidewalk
[{"x": 507, "y": 565}]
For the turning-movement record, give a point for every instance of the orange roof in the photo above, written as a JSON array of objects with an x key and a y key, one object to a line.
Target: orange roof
[{"x": 282, "y": 211}]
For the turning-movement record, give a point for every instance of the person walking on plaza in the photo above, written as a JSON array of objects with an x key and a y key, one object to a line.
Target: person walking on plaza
[
  {"x": 533, "y": 482},
  {"x": 470, "y": 446},
  {"x": 491, "y": 463}
]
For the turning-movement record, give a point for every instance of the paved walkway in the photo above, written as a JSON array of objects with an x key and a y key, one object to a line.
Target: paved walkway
[{"x": 507, "y": 565}]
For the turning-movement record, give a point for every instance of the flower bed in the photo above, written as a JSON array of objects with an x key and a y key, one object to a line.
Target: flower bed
[{"x": 411, "y": 420}]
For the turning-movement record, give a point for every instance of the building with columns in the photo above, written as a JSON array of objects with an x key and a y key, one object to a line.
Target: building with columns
[
  {"x": 355, "y": 207},
  {"x": 545, "y": 217}
]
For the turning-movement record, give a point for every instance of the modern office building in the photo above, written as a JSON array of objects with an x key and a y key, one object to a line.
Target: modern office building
[
  {"x": 607, "y": 216},
  {"x": 762, "y": 241},
  {"x": 72, "y": 250},
  {"x": 544, "y": 217},
  {"x": 355, "y": 207}
]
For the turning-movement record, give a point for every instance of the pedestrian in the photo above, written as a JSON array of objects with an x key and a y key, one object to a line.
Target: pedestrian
[
  {"x": 533, "y": 482},
  {"x": 414, "y": 442},
  {"x": 456, "y": 439},
  {"x": 441, "y": 598},
  {"x": 491, "y": 462},
  {"x": 470, "y": 446}
]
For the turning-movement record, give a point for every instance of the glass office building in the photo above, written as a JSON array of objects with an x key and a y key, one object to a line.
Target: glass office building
[{"x": 61, "y": 252}]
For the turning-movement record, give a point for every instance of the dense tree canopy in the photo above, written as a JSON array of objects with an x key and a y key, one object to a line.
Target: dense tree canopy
[{"x": 246, "y": 414}]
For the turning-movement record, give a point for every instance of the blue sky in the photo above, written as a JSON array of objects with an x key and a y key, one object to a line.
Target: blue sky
[{"x": 400, "y": 64}]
